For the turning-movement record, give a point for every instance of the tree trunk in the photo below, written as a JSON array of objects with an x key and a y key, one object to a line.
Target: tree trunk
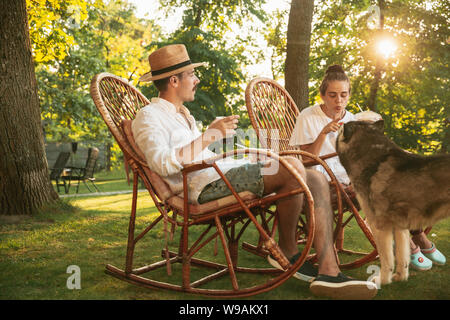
[
  {"x": 298, "y": 47},
  {"x": 371, "y": 104},
  {"x": 24, "y": 179},
  {"x": 378, "y": 65},
  {"x": 446, "y": 141}
]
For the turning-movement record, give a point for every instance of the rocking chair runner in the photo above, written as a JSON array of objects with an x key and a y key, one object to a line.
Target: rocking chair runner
[
  {"x": 118, "y": 102},
  {"x": 273, "y": 114}
]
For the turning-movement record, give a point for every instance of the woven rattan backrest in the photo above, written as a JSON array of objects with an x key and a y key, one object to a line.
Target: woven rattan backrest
[
  {"x": 272, "y": 113},
  {"x": 116, "y": 100}
]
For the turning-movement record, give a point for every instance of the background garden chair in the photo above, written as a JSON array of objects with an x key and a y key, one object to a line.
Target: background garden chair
[
  {"x": 58, "y": 169},
  {"x": 86, "y": 173},
  {"x": 228, "y": 219},
  {"x": 273, "y": 114}
]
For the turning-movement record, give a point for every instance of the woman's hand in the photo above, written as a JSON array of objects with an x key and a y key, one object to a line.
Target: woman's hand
[
  {"x": 333, "y": 126},
  {"x": 316, "y": 146}
]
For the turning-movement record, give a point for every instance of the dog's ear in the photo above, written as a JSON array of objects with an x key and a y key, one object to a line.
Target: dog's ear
[
  {"x": 379, "y": 125},
  {"x": 347, "y": 131}
]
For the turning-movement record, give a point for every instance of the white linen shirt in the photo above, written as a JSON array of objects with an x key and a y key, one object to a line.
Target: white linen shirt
[
  {"x": 308, "y": 126},
  {"x": 159, "y": 130}
]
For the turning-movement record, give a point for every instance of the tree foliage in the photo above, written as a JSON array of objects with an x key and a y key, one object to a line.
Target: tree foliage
[
  {"x": 49, "y": 22},
  {"x": 205, "y": 30},
  {"x": 74, "y": 39},
  {"x": 413, "y": 90},
  {"x": 275, "y": 34},
  {"x": 83, "y": 39}
]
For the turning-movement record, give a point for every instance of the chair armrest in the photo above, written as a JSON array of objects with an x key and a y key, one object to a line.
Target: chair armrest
[
  {"x": 195, "y": 166},
  {"x": 211, "y": 162},
  {"x": 312, "y": 162},
  {"x": 208, "y": 163},
  {"x": 315, "y": 160}
]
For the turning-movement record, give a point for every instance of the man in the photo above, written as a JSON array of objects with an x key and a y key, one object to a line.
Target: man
[{"x": 166, "y": 133}]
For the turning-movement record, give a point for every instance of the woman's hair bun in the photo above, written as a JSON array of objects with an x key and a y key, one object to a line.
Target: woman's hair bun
[
  {"x": 333, "y": 73},
  {"x": 335, "y": 68}
]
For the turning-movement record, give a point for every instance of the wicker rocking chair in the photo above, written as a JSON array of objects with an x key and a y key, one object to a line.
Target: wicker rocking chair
[
  {"x": 117, "y": 101},
  {"x": 273, "y": 114}
]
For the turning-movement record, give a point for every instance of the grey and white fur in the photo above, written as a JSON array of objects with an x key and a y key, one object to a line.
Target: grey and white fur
[{"x": 398, "y": 191}]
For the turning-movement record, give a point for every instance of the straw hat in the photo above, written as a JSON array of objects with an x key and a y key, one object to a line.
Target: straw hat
[{"x": 167, "y": 61}]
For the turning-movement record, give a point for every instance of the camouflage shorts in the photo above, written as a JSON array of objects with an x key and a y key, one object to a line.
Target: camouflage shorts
[{"x": 244, "y": 178}]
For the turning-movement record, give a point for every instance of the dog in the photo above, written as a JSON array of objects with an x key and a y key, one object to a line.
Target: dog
[{"x": 398, "y": 191}]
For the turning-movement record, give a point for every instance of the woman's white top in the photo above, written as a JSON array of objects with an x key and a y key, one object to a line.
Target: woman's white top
[{"x": 308, "y": 126}]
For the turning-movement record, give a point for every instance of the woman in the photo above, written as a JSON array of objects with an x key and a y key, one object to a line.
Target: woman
[
  {"x": 316, "y": 132},
  {"x": 316, "y": 127}
]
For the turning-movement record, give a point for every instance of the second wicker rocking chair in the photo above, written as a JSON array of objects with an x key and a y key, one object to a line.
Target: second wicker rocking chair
[{"x": 273, "y": 114}]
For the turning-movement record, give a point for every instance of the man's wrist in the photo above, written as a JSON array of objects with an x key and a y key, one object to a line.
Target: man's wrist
[{"x": 210, "y": 136}]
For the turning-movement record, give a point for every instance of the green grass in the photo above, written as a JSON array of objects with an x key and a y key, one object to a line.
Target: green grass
[{"x": 91, "y": 232}]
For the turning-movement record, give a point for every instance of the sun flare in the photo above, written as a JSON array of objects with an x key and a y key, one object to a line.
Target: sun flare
[{"x": 386, "y": 47}]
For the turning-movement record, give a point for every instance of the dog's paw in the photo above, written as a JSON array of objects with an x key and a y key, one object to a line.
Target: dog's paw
[
  {"x": 385, "y": 278},
  {"x": 400, "y": 276},
  {"x": 379, "y": 280}
]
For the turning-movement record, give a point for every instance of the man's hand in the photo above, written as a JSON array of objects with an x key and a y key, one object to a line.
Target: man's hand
[
  {"x": 218, "y": 129},
  {"x": 221, "y": 128}
]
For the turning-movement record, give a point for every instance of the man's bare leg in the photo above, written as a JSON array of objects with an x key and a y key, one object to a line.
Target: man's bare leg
[
  {"x": 323, "y": 212},
  {"x": 288, "y": 208},
  {"x": 329, "y": 281}
]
